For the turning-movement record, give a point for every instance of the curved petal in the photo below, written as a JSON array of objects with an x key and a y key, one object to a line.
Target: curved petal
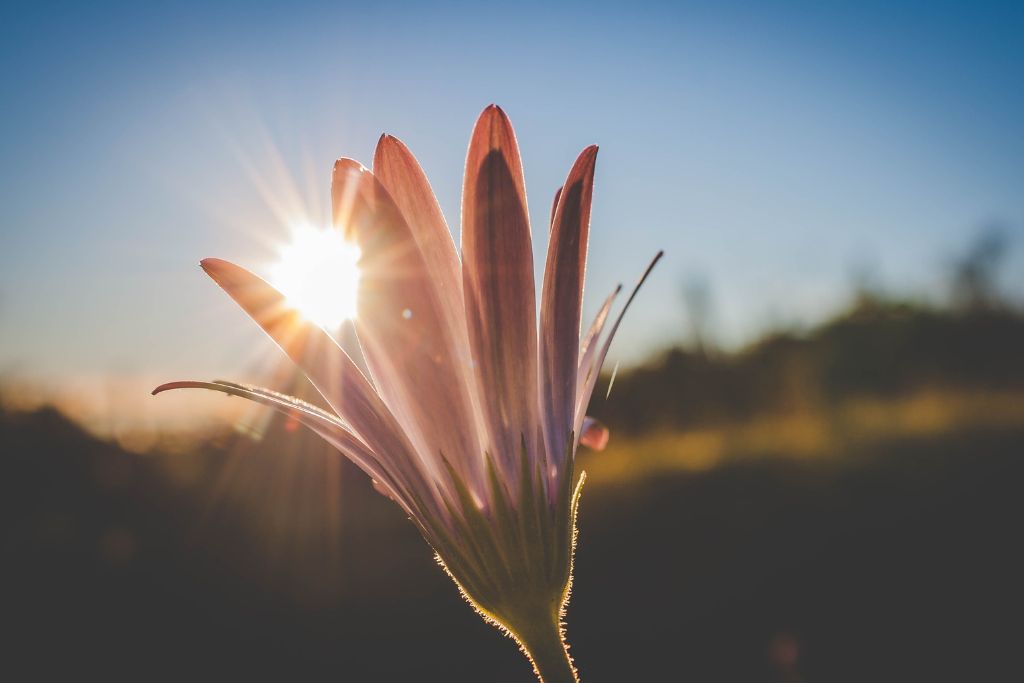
[
  {"x": 593, "y": 434},
  {"x": 410, "y": 346},
  {"x": 326, "y": 365},
  {"x": 325, "y": 425},
  {"x": 561, "y": 302},
  {"x": 554, "y": 204},
  {"x": 583, "y": 397},
  {"x": 588, "y": 348},
  {"x": 499, "y": 288},
  {"x": 396, "y": 167}
]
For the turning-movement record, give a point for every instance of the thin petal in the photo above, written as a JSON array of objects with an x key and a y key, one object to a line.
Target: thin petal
[
  {"x": 499, "y": 287},
  {"x": 583, "y": 397},
  {"x": 396, "y": 167},
  {"x": 561, "y": 302},
  {"x": 554, "y": 204},
  {"x": 588, "y": 348},
  {"x": 410, "y": 345},
  {"x": 326, "y": 365},
  {"x": 325, "y": 425},
  {"x": 593, "y": 434}
]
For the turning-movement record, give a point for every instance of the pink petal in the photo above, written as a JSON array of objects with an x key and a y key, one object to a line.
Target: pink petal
[
  {"x": 396, "y": 167},
  {"x": 588, "y": 348},
  {"x": 404, "y": 326},
  {"x": 326, "y": 365},
  {"x": 499, "y": 287},
  {"x": 325, "y": 425},
  {"x": 592, "y": 373},
  {"x": 593, "y": 434},
  {"x": 561, "y": 302},
  {"x": 554, "y": 204}
]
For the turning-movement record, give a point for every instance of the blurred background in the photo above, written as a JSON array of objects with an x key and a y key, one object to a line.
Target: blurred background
[{"x": 817, "y": 410}]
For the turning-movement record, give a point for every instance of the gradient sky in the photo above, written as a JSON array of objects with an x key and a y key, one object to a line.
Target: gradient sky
[{"x": 772, "y": 149}]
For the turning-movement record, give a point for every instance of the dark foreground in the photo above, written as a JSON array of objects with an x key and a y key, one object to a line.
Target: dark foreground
[{"x": 895, "y": 564}]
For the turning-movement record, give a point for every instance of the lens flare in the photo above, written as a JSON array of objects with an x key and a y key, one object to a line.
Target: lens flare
[{"x": 318, "y": 273}]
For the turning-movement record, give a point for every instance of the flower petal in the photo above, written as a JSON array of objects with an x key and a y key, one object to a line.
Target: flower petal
[
  {"x": 326, "y": 365},
  {"x": 410, "y": 344},
  {"x": 592, "y": 373},
  {"x": 554, "y": 204},
  {"x": 561, "y": 301},
  {"x": 499, "y": 287},
  {"x": 325, "y": 425},
  {"x": 396, "y": 167},
  {"x": 593, "y": 434},
  {"x": 588, "y": 347}
]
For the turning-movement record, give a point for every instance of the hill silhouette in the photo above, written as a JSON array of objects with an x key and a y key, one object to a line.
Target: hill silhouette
[{"x": 879, "y": 348}]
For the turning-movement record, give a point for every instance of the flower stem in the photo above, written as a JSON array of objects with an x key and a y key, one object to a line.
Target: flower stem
[{"x": 543, "y": 641}]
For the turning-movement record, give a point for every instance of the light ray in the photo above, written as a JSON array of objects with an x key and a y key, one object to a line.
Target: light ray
[{"x": 318, "y": 272}]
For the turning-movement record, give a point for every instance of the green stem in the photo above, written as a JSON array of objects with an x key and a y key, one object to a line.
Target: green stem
[{"x": 543, "y": 641}]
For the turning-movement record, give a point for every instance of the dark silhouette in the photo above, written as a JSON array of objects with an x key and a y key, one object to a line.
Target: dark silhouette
[{"x": 877, "y": 348}]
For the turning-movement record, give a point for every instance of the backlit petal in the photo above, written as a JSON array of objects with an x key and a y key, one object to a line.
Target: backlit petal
[
  {"x": 325, "y": 425},
  {"x": 593, "y": 434},
  {"x": 554, "y": 204},
  {"x": 396, "y": 167},
  {"x": 326, "y": 365},
  {"x": 583, "y": 397},
  {"x": 589, "y": 347},
  {"x": 410, "y": 345},
  {"x": 499, "y": 287},
  {"x": 561, "y": 301}
]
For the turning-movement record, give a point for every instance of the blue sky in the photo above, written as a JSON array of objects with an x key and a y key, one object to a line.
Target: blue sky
[{"x": 772, "y": 149}]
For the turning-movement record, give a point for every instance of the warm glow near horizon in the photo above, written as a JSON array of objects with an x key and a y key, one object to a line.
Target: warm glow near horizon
[{"x": 318, "y": 271}]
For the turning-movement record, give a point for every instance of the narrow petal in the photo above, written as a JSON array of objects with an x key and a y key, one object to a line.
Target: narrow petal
[
  {"x": 588, "y": 347},
  {"x": 326, "y": 365},
  {"x": 396, "y": 167},
  {"x": 561, "y": 302},
  {"x": 593, "y": 434},
  {"x": 499, "y": 287},
  {"x": 325, "y": 425},
  {"x": 583, "y": 397},
  {"x": 404, "y": 327},
  {"x": 554, "y": 204}
]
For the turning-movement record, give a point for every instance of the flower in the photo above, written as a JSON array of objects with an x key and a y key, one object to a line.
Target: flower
[{"x": 471, "y": 415}]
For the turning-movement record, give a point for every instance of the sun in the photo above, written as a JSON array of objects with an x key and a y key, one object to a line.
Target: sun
[{"x": 318, "y": 273}]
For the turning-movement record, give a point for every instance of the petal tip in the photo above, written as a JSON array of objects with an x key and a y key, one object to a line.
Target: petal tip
[
  {"x": 388, "y": 146},
  {"x": 587, "y": 159},
  {"x": 387, "y": 140},
  {"x": 493, "y": 116},
  {"x": 167, "y": 386},
  {"x": 345, "y": 164},
  {"x": 215, "y": 267}
]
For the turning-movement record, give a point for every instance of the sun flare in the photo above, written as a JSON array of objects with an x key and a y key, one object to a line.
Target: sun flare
[{"x": 318, "y": 272}]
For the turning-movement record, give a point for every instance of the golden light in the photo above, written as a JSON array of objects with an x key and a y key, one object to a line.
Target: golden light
[{"x": 319, "y": 274}]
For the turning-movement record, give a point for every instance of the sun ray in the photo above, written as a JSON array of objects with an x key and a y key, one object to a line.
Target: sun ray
[{"x": 318, "y": 272}]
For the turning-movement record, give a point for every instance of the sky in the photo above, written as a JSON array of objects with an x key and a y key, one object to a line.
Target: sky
[{"x": 775, "y": 151}]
